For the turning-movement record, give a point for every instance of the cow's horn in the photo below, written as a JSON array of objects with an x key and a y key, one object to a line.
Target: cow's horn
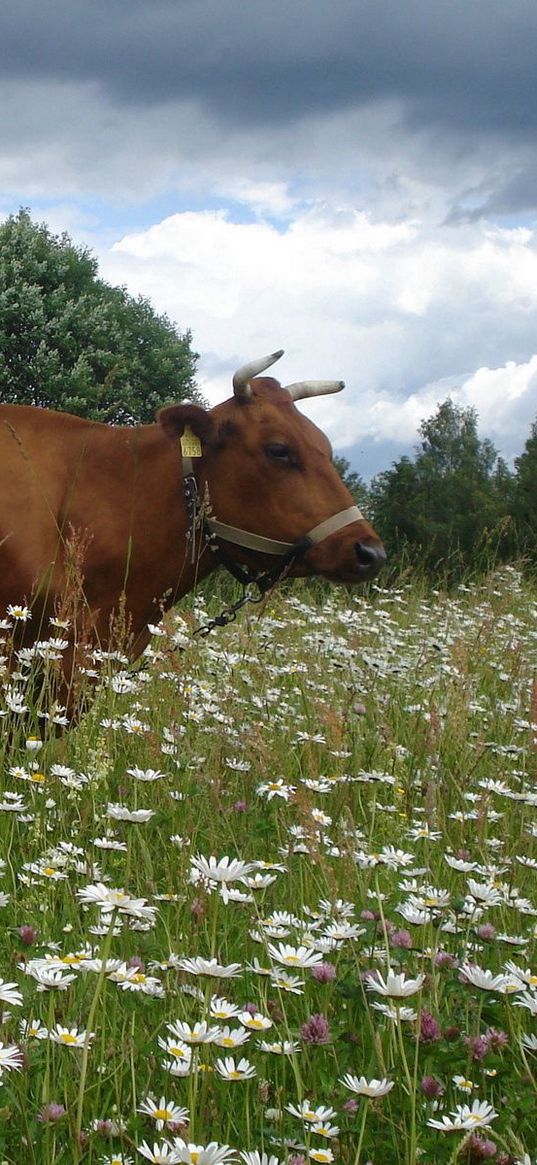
[
  {"x": 241, "y": 386},
  {"x": 305, "y": 388}
]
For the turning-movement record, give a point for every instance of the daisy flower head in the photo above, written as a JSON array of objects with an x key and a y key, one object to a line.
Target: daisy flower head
[
  {"x": 69, "y": 1037},
  {"x": 254, "y": 1157},
  {"x": 306, "y": 1112},
  {"x": 371, "y": 1088},
  {"x": 290, "y": 956},
  {"x": 485, "y": 980},
  {"x": 10, "y": 994},
  {"x": 222, "y": 1009},
  {"x": 463, "y": 1084},
  {"x": 478, "y": 1115},
  {"x": 33, "y": 1030},
  {"x": 256, "y": 1022},
  {"x": 527, "y": 999},
  {"x": 11, "y": 1058},
  {"x": 123, "y": 813},
  {"x": 175, "y": 1048},
  {"x": 109, "y": 899},
  {"x": 160, "y": 1154},
  {"x": 116, "y": 1159},
  {"x": 325, "y": 1129},
  {"x": 178, "y": 1068},
  {"x": 211, "y": 1154},
  {"x": 394, "y": 1012},
  {"x": 395, "y": 986},
  {"x": 48, "y": 978},
  {"x": 221, "y": 870},
  {"x": 232, "y": 1037},
  {"x": 198, "y": 1033},
  {"x": 145, "y": 774},
  {"x": 228, "y": 1070},
  {"x": 280, "y": 1047},
  {"x": 163, "y": 1113},
  {"x": 211, "y": 967},
  {"x": 19, "y": 612},
  {"x": 277, "y": 788},
  {"x": 285, "y": 982}
]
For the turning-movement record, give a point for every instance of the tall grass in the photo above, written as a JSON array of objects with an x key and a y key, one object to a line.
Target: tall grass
[{"x": 372, "y": 758}]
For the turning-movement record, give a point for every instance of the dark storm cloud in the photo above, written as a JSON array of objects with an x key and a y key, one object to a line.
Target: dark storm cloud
[{"x": 464, "y": 66}]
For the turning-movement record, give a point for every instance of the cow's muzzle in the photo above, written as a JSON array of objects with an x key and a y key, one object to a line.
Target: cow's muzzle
[{"x": 370, "y": 558}]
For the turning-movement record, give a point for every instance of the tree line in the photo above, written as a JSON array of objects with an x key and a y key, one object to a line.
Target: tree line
[
  {"x": 455, "y": 506},
  {"x": 70, "y": 341}
]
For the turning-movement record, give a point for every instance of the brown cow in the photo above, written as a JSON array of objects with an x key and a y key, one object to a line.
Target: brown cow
[{"x": 115, "y": 497}]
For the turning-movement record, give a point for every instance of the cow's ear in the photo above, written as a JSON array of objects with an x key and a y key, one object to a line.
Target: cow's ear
[{"x": 175, "y": 418}]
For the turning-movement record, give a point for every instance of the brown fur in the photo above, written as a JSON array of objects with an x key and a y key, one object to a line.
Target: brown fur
[{"x": 119, "y": 492}]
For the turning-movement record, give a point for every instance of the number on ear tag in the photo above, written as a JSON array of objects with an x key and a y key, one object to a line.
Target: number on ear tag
[{"x": 190, "y": 444}]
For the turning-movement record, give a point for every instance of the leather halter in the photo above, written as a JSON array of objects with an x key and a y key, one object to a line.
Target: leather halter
[{"x": 286, "y": 552}]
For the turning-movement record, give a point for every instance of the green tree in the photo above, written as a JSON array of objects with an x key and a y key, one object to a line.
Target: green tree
[
  {"x": 354, "y": 482},
  {"x": 70, "y": 341},
  {"x": 449, "y": 507},
  {"x": 394, "y": 500},
  {"x": 525, "y": 495}
]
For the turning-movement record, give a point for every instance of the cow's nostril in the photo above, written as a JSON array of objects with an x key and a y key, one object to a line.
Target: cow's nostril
[{"x": 371, "y": 558}]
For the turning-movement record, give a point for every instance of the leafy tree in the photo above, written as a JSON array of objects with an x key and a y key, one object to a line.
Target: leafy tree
[
  {"x": 70, "y": 341},
  {"x": 394, "y": 499},
  {"x": 354, "y": 482},
  {"x": 452, "y": 503},
  {"x": 525, "y": 495}
]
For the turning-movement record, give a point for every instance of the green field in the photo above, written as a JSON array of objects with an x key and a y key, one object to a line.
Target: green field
[{"x": 276, "y": 894}]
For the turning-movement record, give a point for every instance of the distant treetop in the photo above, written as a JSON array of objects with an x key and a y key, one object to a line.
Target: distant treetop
[{"x": 70, "y": 341}]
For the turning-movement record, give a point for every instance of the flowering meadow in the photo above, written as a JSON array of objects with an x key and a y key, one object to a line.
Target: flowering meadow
[{"x": 274, "y": 898}]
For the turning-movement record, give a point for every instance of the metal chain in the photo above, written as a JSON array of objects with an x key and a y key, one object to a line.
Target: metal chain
[{"x": 229, "y": 614}]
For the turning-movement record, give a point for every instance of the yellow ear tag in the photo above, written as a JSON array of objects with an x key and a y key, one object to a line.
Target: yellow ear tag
[{"x": 190, "y": 444}]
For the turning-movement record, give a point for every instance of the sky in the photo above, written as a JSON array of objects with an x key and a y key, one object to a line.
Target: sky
[{"x": 354, "y": 181}]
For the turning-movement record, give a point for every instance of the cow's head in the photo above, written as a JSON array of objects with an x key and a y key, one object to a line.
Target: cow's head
[{"x": 269, "y": 471}]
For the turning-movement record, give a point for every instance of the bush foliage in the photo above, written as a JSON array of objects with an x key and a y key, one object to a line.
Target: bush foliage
[{"x": 70, "y": 341}]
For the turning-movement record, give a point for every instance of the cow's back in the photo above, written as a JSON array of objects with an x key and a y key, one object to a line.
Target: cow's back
[{"x": 42, "y": 454}]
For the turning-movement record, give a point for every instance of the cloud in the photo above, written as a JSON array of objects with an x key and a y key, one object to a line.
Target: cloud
[
  {"x": 403, "y": 107},
  {"x": 466, "y": 66},
  {"x": 405, "y": 313},
  {"x": 328, "y": 178}
]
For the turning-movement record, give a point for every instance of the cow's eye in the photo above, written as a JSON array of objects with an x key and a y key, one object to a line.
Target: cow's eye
[{"x": 279, "y": 452}]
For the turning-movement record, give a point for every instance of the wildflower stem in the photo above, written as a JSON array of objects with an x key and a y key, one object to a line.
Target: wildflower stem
[
  {"x": 411, "y": 1094},
  {"x": 105, "y": 951},
  {"x": 365, "y": 1109}
]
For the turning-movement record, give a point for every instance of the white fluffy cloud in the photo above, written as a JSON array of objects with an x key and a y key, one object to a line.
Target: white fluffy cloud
[{"x": 405, "y": 312}]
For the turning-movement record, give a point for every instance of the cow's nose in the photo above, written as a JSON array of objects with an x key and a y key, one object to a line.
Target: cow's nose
[{"x": 371, "y": 559}]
